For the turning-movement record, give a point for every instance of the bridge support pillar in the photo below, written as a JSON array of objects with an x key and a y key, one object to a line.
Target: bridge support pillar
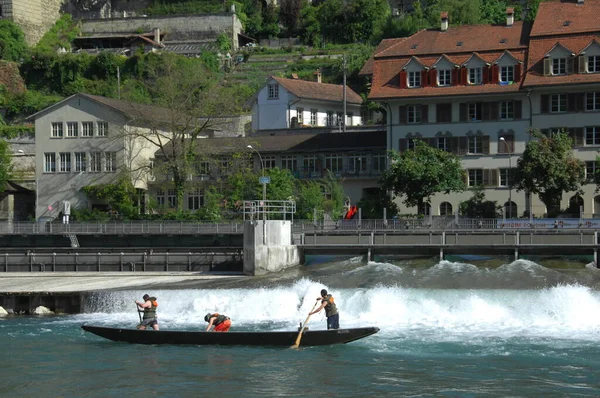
[
  {"x": 272, "y": 252},
  {"x": 596, "y": 258},
  {"x": 516, "y": 253},
  {"x": 441, "y": 253},
  {"x": 368, "y": 254}
]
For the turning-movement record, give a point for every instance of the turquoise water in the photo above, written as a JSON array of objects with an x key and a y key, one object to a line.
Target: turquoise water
[{"x": 442, "y": 341}]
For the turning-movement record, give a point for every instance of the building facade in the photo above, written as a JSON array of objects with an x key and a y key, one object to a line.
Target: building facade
[
  {"x": 287, "y": 103},
  {"x": 476, "y": 91}
]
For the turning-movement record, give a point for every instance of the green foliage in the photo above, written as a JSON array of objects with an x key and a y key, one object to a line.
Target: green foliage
[
  {"x": 213, "y": 206},
  {"x": 61, "y": 35},
  {"x": 178, "y": 7},
  {"x": 120, "y": 196},
  {"x": 310, "y": 196},
  {"x": 374, "y": 201},
  {"x": 224, "y": 43},
  {"x": 10, "y": 132},
  {"x": 85, "y": 214},
  {"x": 533, "y": 7},
  {"x": 420, "y": 173},
  {"x": 5, "y": 164},
  {"x": 334, "y": 204},
  {"x": 12, "y": 41},
  {"x": 548, "y": 168},
  {"x": 478, "y": 207},
  {"x": 282, "y": 184},
  {"x": 28, "y": 103}
]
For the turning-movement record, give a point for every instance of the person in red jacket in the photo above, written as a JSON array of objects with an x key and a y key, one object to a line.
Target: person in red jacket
[{"x": 220, "y": 322}]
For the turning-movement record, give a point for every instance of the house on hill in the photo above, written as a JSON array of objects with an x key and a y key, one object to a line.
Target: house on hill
[{"x": 289, "y": 103}]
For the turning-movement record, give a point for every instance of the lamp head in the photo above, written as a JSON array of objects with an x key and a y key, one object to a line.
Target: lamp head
[
  {"x": 249, "y": 146},
  {"x": 502, "y": 139}
]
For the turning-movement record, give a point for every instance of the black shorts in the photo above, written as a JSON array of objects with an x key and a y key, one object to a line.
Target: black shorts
[
  {"x": 333, "y": 322},
  {"x": 149, "y": 322}
]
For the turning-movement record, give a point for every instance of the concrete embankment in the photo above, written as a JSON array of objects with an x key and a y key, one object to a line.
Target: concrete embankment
[{"x": 61, "y": 293}]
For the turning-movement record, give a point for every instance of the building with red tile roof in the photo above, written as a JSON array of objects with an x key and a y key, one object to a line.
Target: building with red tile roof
[{"x": 477, "y": 90}]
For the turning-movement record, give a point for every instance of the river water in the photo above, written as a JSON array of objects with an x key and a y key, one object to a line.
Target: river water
[{"x": 448, "y": 329}]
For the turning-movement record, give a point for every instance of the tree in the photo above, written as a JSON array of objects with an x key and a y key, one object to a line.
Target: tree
[
  {"x": 478, "y": 207},
  {"x": 548, "y": 168},
  {"x": 12, "y": 41},
  {"x": 186, "y": 90},
  {"x": 419, "y": 173},
  {"x": 374, "y": 201},
  {"x": 289, "y": 14},
  {"x": 5, "y": 163}
]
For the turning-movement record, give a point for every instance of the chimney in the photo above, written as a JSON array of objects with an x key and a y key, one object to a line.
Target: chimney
[
  {"x": 444, "y": 17},
  {"x": 579, "y": 2},
  {"x": 156, "y": 32},
  {"x": 318, "y": 74},
  {"x": 295, "y": 76},
  {"x": 510, "y": 16}
]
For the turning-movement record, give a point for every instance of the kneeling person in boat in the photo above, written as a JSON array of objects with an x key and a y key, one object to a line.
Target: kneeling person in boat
[
  {"x": 220, "y": 322},
  {"x": 331, "y": 311},
  {"x": 149, "y": 306}
]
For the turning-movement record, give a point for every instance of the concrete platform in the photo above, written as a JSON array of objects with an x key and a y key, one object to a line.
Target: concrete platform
[{"x": 70, "y": 282}]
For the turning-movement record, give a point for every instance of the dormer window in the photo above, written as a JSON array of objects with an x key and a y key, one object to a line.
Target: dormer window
[
  {"x": 444, "y": 77},
  {"x": 593, "y": 64},
  {"x": 475, "y": 75},
  {"x": 273, "y": 91},
  {"x": 414, "y": 79},
  {"x": 507, "y": 74},
  {"x": 559, "y": 66}
]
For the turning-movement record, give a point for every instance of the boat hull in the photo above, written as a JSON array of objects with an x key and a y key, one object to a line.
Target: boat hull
[{"x": 284, "y": 339}]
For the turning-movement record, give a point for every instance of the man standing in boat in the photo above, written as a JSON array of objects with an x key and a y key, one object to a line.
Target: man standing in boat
[
  {"x": 331, "y": 311},
  {"x": 220, "y": 322},
  {"x": 149, "y": 308}
]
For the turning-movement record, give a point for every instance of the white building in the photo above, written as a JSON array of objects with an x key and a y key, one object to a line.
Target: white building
[{"x": 287, "y": 103}]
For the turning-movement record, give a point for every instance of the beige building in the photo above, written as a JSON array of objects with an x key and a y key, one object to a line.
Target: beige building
[
  {"x": 477, "y": 90},
  {"x": 35, "y": 17}
]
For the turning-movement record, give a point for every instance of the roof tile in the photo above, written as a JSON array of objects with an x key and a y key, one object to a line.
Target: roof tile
[
  {"x": 552, "y": 16},
  {"x": 319, "y": 91}
]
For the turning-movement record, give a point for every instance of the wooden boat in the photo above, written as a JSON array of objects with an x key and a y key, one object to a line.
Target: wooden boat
[{"x": 284, "y": 339}]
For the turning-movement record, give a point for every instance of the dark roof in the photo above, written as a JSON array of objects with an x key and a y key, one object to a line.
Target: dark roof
[
  {"x": 13, "y": 187},
  {"x": 319, "y": 91},
  {"x": 323, "y": 142}
]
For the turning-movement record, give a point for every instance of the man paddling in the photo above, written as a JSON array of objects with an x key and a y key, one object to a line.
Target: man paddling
[
  {"x": 331, "y": 311},
  {"x": 149, "y": 306},
  {"x": 220, "y": 322}
]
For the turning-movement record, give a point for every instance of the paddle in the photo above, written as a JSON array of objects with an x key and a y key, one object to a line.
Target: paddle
[
  {"x": 139, "y": 314},
  {"x": 297, "y": 343}
]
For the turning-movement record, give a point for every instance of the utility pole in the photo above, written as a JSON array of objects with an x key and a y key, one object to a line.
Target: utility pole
[
  {"x": 118, "y": 82},
  {"x": 344, "y": 68}
]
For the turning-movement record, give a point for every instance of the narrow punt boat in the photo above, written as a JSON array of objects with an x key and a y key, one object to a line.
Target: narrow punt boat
[{"x": 309, "y": 337}]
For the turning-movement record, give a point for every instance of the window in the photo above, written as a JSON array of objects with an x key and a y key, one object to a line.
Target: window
[
  {"x": 507, "y": 110},
  {"x": 445, "y": 209},
  {"x": 414, "y": 79},
  {"x": 289, "y": 163},
  {"x": 379, "y": 163},
  {"x": 102, "y": 129},
  {"x": 95, "y": 162},
  {"x": 594, "y": 64},
  {"x": 443, "y": 113},
  {"x": 160, "y": 197},
  {"x": 339, "y": 118},
  {"x": 349, "y": 117},
  {"x": 310, "y": 163},
  {"x": 80, "y": 161},
  {"x": 65, "y": 162},
  {"x": 171, "y": 198},
  {"x": 475, "y": 75},
  {"x": 475, "y": 111},
  {"x": 592, "y": 135},
  {"x": 49, "y": 162},
  {"x": 410, "y": 143},
  {"x": 329, "y": 118},
  {"x": 57, "y": 130},
  {"x": 110, "y": 161},
  {"x": 333, "y": 163},
  {"x": 559, "y": 66},
  {"x": 507, "y": 73},
  {"x": 558, "y": 103},
  {"x": 357, "y": 163},
  {"x": 443, "y": 143},
  {"x": 475, "y": 177},
  {"x": 224, "y": 165},
  {"x": 273, "y": 91},
  {"x": 300, "y": 115},
  {"x": 592, "y": 101},
  {"x": 87, "y": 129},
  {"x": 413, "y": 114},
  {"x": 475, "y": 144},
  {"x": 195, "y": 199},
  {"x": 590, "y": 170},
  {"x": 72, "y": 129},
  {"x": 202, "y": 168},
  {"x": 506, "y": 178},
  {"x": 444, "y": 77},
  {"x": 269, "y": 162},
  {"x": 506, "y": 143},
  {"x": 313, "y": 117}
]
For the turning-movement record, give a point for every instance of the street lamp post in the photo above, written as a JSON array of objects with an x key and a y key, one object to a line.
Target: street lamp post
[
  {"x": 509, "y": 177},
  {"x": 264, "y": 184}
]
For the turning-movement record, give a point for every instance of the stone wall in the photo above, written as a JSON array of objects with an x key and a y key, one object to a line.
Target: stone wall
[
  {"x": 92, "y": 9},
  {"x": 35, "y": 17},
  {"x": 175, "y": 27}
]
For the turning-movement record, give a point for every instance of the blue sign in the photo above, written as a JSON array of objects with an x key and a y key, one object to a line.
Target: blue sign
[{"x": 264, "y": 180}]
